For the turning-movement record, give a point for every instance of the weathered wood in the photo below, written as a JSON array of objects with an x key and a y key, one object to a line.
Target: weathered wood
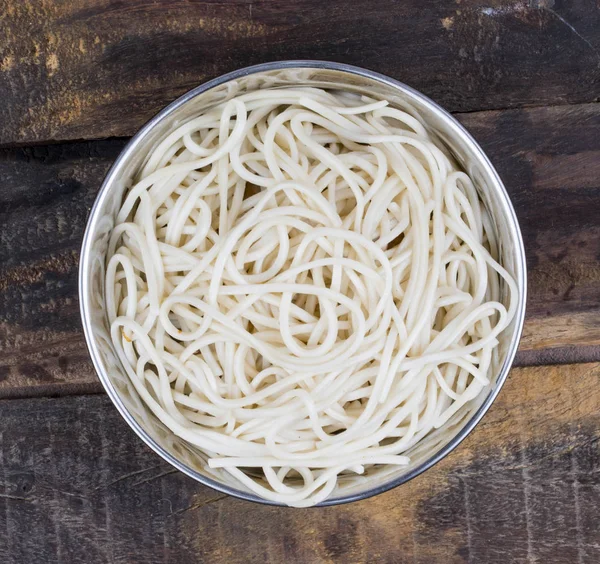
[
  {"x": 88, "y": 69},
  {"x": 549, "y": 160},
  {"x": 548, "y": 157},
  {"x": 45, "y": 196},
  {"x": 76, "y": 485}
]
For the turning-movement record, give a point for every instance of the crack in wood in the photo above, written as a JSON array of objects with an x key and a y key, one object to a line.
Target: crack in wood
[
  {"x": 156, "y": 477},
  {"x": 126, "y": 476},
  {"x": 572, "y": 28},
  {"x": 15, "y": 497},
  {"x": 199, "y": 505}
]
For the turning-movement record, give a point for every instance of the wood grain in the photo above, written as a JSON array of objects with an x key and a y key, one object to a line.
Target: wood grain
[
  {"x": 76, "y": 485},
  {"x": 46, "y": 194},
  {"x": 99, "y": 68},
  {"x": 549, "y": 160}
]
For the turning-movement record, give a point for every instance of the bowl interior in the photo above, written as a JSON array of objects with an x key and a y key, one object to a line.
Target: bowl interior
[{"x": 279, "y": 75}]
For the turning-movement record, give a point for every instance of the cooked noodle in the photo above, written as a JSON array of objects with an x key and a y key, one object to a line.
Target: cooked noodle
[{"x": 302, "y": 284}]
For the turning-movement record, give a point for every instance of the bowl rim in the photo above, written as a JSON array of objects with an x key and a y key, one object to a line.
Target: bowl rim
[{"x": 457, "y": 129}]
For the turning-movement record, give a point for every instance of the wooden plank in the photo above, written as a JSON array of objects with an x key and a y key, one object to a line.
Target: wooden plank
[
  {"x": 76, "y": 485},
  {"x": 45, "y": 196},
  {"x": 47, "y": 192},
  {"x": 549, "y": 160},
  {"x": 99, "y": 68}
]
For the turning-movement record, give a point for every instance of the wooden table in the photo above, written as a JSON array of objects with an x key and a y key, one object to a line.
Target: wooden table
[{"x": 77, "y": 78}]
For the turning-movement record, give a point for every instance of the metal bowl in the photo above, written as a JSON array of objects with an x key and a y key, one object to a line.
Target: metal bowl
[{"x": 321, "y": 74}]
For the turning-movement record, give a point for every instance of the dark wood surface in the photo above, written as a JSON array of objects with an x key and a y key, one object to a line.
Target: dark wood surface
[
  {"x": 98, "y": 68},
  {"x": 76, "y": 485}
]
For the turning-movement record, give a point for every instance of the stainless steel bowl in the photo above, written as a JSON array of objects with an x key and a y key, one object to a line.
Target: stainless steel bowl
[{"x": 272, "y": 75}]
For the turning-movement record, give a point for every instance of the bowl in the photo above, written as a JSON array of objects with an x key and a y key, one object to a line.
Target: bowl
[{"x": 440, "y": 124}]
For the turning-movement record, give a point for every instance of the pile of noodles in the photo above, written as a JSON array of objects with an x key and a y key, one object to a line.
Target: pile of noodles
[{"x": 302, "y": 284}]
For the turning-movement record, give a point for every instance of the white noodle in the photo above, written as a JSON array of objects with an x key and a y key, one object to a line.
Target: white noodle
[{"x": 302, "y": 282}]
